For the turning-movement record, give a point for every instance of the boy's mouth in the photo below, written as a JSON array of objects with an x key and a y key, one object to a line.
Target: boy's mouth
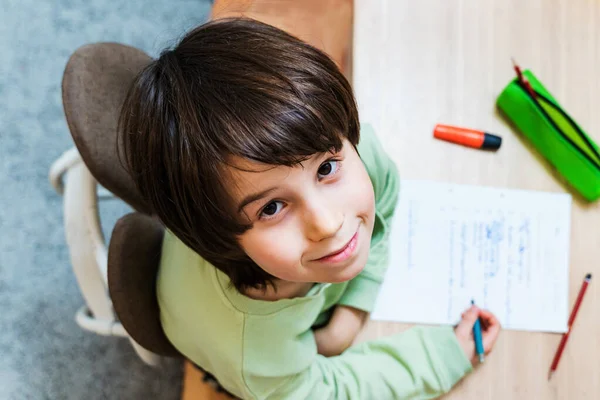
[{"x": 341, "y": 254}]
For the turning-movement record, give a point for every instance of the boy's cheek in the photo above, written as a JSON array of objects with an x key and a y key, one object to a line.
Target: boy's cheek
[
  {"x": 362, "y": 197},
  {"x": 274, "y": 259}
]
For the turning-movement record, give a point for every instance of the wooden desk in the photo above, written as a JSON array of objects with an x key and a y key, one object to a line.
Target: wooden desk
[
  {"x": 417, "y": 63},
  {"x": 326, "y": 24}
]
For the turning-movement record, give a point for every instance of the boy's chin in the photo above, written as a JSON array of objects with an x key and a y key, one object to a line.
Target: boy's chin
[{"x": 348, "y": 273}]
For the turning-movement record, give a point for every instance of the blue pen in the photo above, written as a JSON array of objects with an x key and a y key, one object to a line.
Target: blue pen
[{"x": 478, "y": 338}]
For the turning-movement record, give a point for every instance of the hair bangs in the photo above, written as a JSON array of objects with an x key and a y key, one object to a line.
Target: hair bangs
[{"x": 280, "y": 128}]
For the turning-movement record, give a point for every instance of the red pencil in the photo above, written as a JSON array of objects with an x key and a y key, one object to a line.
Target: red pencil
[
  {"x": 563, "y": 341},
  {"x": 523, "y": 80}
]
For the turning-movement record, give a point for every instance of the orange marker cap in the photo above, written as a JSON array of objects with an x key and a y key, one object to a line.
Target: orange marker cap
[{"x": 467, "y": 137}]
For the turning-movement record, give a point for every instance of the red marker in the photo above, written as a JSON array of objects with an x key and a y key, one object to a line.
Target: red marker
[{"x": 467, "y": 137}]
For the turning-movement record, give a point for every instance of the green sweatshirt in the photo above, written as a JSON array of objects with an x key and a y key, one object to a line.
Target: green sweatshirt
[{"x": 266, "y": 349}]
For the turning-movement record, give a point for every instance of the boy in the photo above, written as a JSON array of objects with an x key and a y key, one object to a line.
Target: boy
[{"x": 247, "y": 143}]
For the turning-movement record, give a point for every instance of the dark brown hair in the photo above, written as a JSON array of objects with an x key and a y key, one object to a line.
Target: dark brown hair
[{"x": 230, "y": 88}]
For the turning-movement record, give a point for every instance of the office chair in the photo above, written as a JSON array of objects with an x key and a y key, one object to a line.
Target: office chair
[
  {"x": 94, "y": 85},
  {"x": 118, "y": 282}
]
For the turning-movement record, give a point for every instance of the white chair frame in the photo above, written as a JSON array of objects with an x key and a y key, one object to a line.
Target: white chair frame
[{"x": 87, "y": 248}]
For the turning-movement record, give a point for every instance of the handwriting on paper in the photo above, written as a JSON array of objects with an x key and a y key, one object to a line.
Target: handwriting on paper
[{"x": 506, "y": 249}]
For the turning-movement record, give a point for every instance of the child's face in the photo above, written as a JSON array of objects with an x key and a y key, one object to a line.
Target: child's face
[{"x": 312, "y": 222}]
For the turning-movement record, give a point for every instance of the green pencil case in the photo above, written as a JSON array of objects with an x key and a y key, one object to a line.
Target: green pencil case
[{"x": 553, "y": 133}]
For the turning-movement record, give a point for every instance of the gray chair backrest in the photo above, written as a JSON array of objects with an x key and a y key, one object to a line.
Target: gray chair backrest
[
  {"x": 95, "y": 83},
  {"x": 133, "y": 260}
]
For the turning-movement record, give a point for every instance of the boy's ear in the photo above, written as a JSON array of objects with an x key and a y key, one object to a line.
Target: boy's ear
[{"x": 325, "y": 24}]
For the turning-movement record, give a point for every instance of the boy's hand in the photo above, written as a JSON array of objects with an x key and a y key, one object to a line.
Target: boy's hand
[
  {"x": 340, "y": 332},
  {"x": 490, "y": 328}
]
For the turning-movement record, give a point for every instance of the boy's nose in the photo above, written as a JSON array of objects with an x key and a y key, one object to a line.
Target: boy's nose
[{"x": 322, "y": 222}]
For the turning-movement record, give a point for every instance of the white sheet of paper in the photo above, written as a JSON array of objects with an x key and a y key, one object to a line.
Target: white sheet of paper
[{"x": 506, "y": 249}]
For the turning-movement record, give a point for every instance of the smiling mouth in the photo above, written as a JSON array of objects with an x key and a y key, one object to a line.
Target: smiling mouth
[{"x": 342, "y": 254}]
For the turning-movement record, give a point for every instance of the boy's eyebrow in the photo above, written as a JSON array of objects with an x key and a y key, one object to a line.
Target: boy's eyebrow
[{"x": 253, "y": 197}]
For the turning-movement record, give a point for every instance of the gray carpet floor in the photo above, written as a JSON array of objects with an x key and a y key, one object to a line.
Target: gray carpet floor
[{"x": 43, "y": 353}]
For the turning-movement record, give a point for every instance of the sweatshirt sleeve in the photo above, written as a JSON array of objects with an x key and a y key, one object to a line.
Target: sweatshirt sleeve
[
  {"x": 421, "y": 363},
  {"x": 362, "y": 291}
]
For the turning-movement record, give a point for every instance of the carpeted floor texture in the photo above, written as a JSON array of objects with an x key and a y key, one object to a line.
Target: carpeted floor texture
[{"x": 43, "y": 353}]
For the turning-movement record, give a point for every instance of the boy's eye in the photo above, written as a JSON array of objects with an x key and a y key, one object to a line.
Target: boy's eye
[
  {"x": 328, "y": 168},
  {"x": 271, "y": 209}
]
